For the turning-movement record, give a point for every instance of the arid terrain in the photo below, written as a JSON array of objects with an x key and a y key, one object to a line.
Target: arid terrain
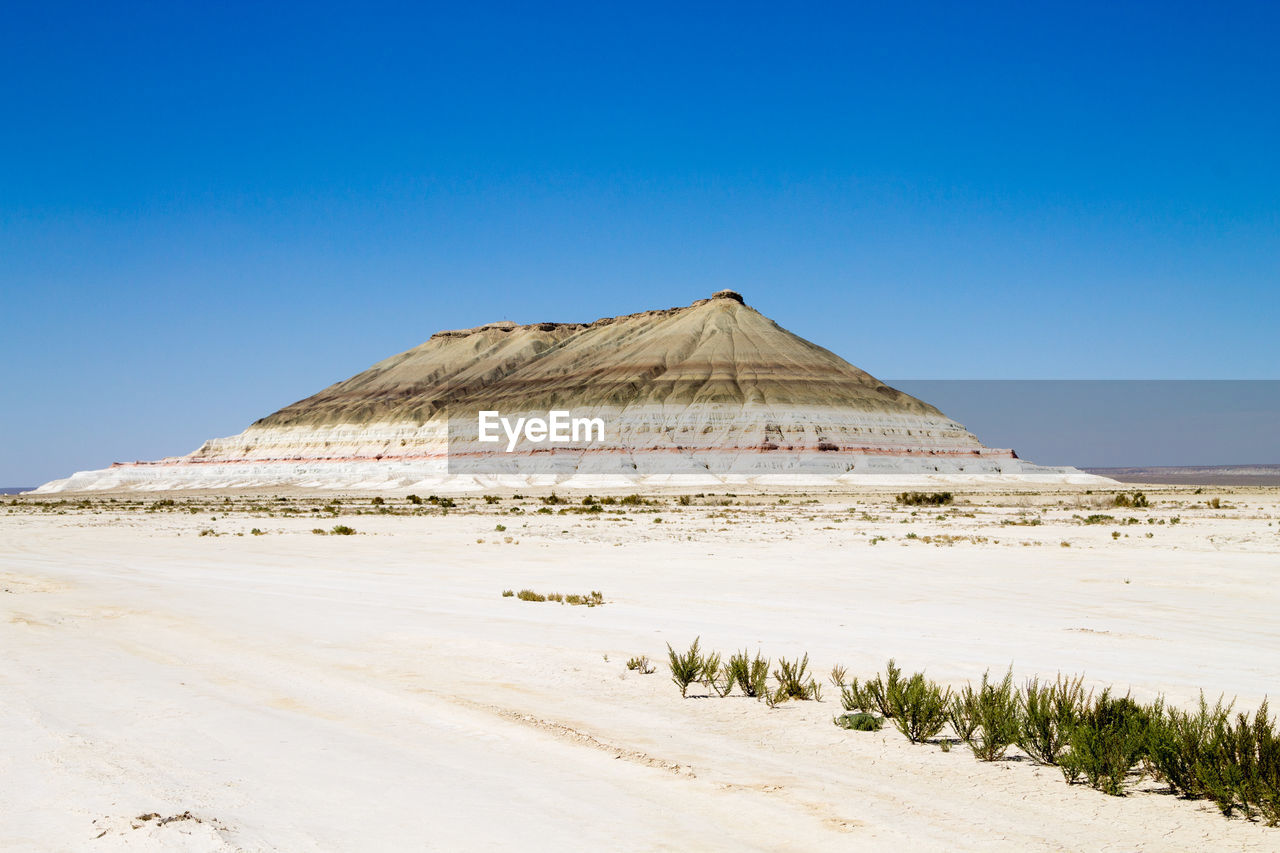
[{"x": 174, "y": 680}]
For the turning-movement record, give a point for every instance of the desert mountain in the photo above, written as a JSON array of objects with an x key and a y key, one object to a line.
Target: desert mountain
[{"x": 712, "y": 392}]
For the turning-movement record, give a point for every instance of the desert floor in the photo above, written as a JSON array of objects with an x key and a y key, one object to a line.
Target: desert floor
[{"x": 290, "y": 691}]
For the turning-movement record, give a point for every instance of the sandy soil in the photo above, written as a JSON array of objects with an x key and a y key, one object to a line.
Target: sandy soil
[{"x": 297, "y": 692}]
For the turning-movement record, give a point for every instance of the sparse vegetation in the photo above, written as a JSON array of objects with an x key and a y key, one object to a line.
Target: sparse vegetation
[
  {"x": 926, "y": 498},
  {"x": 641, "y": 665},
  {"x": 686, "y": 668},
  {"x": 751, "y": 675},
  {"x": 920, "y": 708},
  {"x": 859, "y": 722},
  {"x": 1107, "y": 741},
  {"x": 994, "y": 715},
  {"x": 794, "y": 681},
  {"x": 342, "y": 530},
  {"x": 1048, "y": 714}
]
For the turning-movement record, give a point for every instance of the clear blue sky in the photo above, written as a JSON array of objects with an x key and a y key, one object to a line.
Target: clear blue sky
[{"x": 207, "y": 213}]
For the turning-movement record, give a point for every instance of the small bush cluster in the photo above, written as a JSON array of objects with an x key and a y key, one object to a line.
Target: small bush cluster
[
  {"x": 926, "y": 498},
  {"x": 1137, "y": 500},
  {"x": 750, "y": 675},
  {"x": 640, "y": 664},
  {"x": 1102, "y": 740},
  {"x": 595, "y": 598},
  {"x": 916, "y": 705}
]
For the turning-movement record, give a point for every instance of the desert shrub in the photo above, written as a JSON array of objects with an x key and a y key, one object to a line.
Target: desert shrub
[
  {"x": 595, "y": 598},
  {"x": 685, "y": 668},
  {"x": 530, "y": 595},
  {"x": 491, "y": 499},
  {"x": 962, "y": 712},
  {"x": 319, "y": 531},
  {"x": 552, "y": 499},
  {"x": 1177, "y": 742},
  {"x": 500, "y": 527},
  {"x": 886, "y": 694},
  {"x": 640, "y": 664},
  {"x": 1107, "y": 741},
  {"x": 1137, "y": 500},
  {"x": 208, "y": 531},
  {"x": 716, "y": 680},
  {"x": 1048, "y": 714},
  {"x": 414, "y": 499},
  {"x": 855, "y": 697},
  {"x": 925, "y": 499},
  {"x": 506, "y": 593},
  {"x": 751, "y": 675},
  {"x": 794, "y": 681},
  {"x": 257, "y": 532},
  {"x": 1214, "y": 503},
  {"x": 921, "y": 707},
  {"x": 859, "y": 722},
  {"x": 1240, "y": 766},
  {"x": 555, "y": 596},
  {"x": 1099, "y": 518},
  {"x": 377, "y": 501},
  {"x": 995, "y": 718},
  {"x": 342, "y": 530}
]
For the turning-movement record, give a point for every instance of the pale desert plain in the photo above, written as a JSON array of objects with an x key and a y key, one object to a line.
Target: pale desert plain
[{"x": 161, "y": 689}]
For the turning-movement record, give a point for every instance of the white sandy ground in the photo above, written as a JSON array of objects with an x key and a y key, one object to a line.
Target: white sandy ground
[{"x": 374, "y": 692}]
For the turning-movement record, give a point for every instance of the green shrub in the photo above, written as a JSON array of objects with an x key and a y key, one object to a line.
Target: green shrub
[
  {"x": 717, "y": 681},
  {"x": 1137, "y": 500},
  {"x": 414, "y": 499},
  {"x": 378, "y": 501},
  {"x": 257, "y": 532},
  {"x": 751, "y": 675},
  {"x": 491, "y": 499},
  {"x": 342, "y": 530},
  {"x": 921, "y": 708},
  {"x": 995, "y": 718},
  {"x": 1099, "y": 518},
  {"x": 1177, "y": 743},
  {"x": 641, "y": 665},
  {"x": 685, "y": 668},
  {"x": 962, "y": 712},
  {"x": 1240, "y": 766},
  {"x": 882, "y": 695},
  {"x": 860, "y": 722},
  {"x": 319, "y": 531},
  {"x": 794, "y": 681},
  {"x": 1048, "y": 714},
  {"x": 1108, "y": 740}
]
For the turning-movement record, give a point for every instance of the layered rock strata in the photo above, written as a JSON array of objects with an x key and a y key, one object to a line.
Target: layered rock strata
[{"x": 711, "y": 393}]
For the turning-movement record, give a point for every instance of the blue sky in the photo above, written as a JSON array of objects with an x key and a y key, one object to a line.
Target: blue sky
[{"x": 207, "y": 213}]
